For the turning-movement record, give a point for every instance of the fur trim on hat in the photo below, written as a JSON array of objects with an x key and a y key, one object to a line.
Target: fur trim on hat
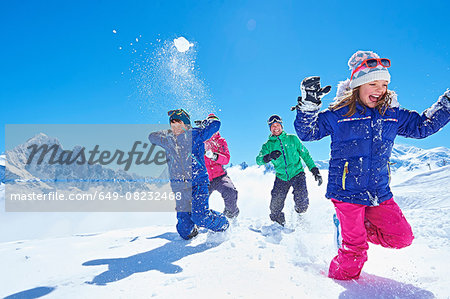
[{"x": 343, "y": 88}]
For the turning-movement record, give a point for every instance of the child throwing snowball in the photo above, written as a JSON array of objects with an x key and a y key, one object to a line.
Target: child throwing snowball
[
  {"x": 363, "y": 123},
  {"x": 185, "y": 152}
]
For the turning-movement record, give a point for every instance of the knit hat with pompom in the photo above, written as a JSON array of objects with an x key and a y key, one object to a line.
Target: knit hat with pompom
[{"x": 364, "y": 74}]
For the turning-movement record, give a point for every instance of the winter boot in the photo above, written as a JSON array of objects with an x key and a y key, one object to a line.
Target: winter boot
[
  {"x": 229, "y": 214},
  {"x": 300, "y": 210},
  {"x": 193, "y": 233},
  {"x": 278, "y": 218}
]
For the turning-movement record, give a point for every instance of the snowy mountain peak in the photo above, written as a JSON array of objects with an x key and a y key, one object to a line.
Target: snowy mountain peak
[
  {"x": 41, "y": 138},
  {"x": 411, "y": 158},
  {"x": 82, "y": 176}
]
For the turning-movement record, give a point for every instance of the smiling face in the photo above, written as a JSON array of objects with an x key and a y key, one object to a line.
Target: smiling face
[
  {"x": 370, "y": 93},
  {"x": 276, "y": 129}
]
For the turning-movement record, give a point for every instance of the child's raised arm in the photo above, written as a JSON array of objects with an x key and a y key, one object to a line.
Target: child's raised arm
[
  {"x": 210, "y": 126},
  {"x": 312, "y": 125},
  {"x": 309, "y": 123},
  {"x": 413, "y": 125},
  {"x": 159, "y": 138}
]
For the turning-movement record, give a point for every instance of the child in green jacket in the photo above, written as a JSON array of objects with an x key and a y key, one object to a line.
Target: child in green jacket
[{"x": 284, "y": 151}]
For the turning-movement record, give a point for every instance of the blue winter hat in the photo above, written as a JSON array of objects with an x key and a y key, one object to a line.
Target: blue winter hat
[
  {"x": 179, "y": 114},
  {"x": 364, "y": 74}
]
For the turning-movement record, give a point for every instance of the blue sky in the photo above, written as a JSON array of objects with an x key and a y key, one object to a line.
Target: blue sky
[{"x": 61, "y": 63}]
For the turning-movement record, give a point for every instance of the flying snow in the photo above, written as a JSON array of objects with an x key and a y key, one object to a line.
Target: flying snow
[
  {"x": 182, "y": 44},
  {"x": 167, "y": 76}
]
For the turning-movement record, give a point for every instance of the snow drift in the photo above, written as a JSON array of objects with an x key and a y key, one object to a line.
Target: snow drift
[{"x": 151, "y": 260}]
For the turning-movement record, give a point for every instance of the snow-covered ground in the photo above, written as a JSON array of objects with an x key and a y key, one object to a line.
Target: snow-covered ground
[{"x": 153, "y": 261}]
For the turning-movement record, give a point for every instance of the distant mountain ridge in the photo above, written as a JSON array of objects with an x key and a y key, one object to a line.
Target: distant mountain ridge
[
  {"x": 404, "y": 157},
  {"x": 410, "y": 158},
  {"x": 45, "y": 176}
]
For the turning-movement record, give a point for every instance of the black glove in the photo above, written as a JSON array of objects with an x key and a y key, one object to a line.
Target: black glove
[
  {"x": 272, "y": 156},
  {"x": 317, "y": 176},
  {"x": 311, "y": 91},
  {"x": 201, "y": 123}
]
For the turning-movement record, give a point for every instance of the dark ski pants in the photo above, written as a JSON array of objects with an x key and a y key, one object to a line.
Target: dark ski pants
[
  {"x": 280, "y": 191},
  {"x": 200, "y": 214},
  {"x": 225, "y": 187}
]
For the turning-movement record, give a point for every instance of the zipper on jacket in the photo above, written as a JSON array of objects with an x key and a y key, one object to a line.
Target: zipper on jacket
[
  {"x": 344, "y": 175},
  {"x": 284, "y": 156},
  {"x": 389, "y": 171}
]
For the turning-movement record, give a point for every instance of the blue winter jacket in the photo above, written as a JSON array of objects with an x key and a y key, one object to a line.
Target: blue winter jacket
[
  {"x": 185, "y": 154},
  {"x": 361, "y": 146}
]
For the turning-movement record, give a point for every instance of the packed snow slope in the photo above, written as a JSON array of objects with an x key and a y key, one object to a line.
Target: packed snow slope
[{"x": 253, "y": 259}]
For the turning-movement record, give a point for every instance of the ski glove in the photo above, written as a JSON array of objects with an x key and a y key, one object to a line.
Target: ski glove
[
  {"x": 317, "y": 176},
  {"x": 446, "y": 101},
  {"x": 312, "y": 93},
  {"x": 198, "y": 123},
  {"x": 447, "y": 94},
  {"x": 272, "y": 156},
  {"x": 201, "y": 123},
  {"x": 442, "y": 102},
  {"x": 211, "y": 155}
]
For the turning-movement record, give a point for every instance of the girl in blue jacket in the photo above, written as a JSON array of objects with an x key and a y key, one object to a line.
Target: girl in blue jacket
[{"x": 363, "y": 123}]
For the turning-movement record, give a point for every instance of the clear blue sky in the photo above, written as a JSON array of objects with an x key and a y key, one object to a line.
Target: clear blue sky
[{"x": 61, "y": 63}]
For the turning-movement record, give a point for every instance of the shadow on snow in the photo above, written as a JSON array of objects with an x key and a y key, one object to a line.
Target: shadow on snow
[
  {"x": 372, "y": 286},
  {"x": 159, "y": 259},
  {"x": 32, "y": 293}
]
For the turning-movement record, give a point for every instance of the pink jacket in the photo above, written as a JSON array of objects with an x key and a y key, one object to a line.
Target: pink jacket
[{"x": 217, "y": 145}]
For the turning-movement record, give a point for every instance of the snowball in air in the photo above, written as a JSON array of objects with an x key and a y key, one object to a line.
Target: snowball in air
[{"x": 182, "y": 44}]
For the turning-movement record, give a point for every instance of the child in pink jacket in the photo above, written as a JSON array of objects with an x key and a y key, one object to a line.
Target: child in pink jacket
[{"x": 216, "y": 156}]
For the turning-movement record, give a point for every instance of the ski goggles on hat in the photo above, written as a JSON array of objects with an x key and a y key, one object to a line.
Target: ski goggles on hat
[
  {"x": 372, "y": 63},
  {"x": 212, "y": 116},
  {"x": 179, "y": 112},
  {"x": 274, "y": 119}
]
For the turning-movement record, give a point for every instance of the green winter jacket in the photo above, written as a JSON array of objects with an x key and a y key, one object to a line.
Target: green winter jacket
[{"x": 289, "y": 163}]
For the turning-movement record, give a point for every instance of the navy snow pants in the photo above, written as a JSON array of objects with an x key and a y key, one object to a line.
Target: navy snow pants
[
  {"x": 280, "y": 191},
  {"x": 200, "y": 214}
]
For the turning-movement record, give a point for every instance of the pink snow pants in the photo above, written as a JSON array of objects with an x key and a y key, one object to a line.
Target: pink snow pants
[{"x": 384, "y": 225}]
